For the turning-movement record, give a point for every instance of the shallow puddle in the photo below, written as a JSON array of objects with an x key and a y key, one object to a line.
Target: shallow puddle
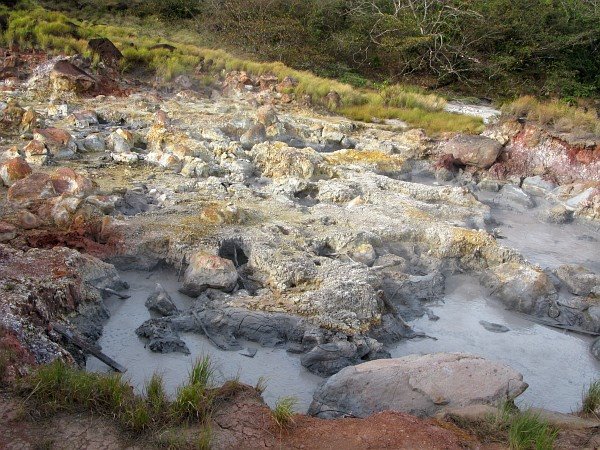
[{"x": 283, "y": 374}]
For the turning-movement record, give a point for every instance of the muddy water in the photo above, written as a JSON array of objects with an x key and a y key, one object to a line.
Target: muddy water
[
  {"x": 549, "y": 244},
  {"x": 282, "y": 371},
  {"x": 557, "y": 365}
]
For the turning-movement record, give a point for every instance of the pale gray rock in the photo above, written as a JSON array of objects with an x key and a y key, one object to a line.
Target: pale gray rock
[
  {"x": 418, "y": 385},
  {"x": 478, "y": 151},
  {"x": 253, "y": 136},
  {"x": 208, "y": 271}
]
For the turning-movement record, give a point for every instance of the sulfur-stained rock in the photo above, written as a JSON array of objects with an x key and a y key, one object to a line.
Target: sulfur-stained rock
[
  {"x": 521, "y": 287},
  {"x": 578, "y": 279},
  {"x": 276, "y": 160},
  {"x": 67, "y": 77},
  {"x": 13, "y": 170},
  {"x": 121, "y": 141},
  {"x": 208, "y": 271}
]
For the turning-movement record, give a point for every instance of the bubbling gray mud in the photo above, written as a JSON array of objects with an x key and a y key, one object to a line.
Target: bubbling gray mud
[
  {"x": 282, "y": 371},
  {"x": 557, "y": 365}
]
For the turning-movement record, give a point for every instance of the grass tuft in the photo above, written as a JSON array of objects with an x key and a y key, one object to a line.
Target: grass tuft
[
  {"x": 283, "y": 413},
  {"x": 591, "y": 399},
  {"x": 527, "y": 431}
]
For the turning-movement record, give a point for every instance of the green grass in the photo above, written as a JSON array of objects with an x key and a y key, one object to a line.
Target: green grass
[
  {"x": 56, "y": 32},
  {"x": 527, "y": 431},
  {"x": 509, "y": 426},
  {"x": 283, "y": 413},
  {"x": 591, "y": 399},
  {"x": 554, "y": 114},
  {"x": 60, "y": 387}
]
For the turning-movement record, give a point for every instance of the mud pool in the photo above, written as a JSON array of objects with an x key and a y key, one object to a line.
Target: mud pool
[
  {"x": 556, "y": 364},
  {"x": 281, "y": 371}
]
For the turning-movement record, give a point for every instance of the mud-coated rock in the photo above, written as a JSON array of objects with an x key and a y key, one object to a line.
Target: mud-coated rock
[
  {"x": 328, "y": 359},
  {"x": 208, "y": 271},
  {"x": 596, "y": 349},
  {"x": 106, "y": 50},
  {"x": 521, "y": 287},
  {"x": 161, "y": 337},
  {"x": 578, "y": 279},
  {"x": 160, "y": 302},
  {"x": 418, "y": 385},
  {"x": 478, "y": 151}
]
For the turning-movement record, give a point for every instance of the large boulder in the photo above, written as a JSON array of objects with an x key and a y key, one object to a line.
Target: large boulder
[
  {"x": 36, "y": 186},
  {"x": 278, "y": 160},
  {"x": 66, "y": 76},
  {"x": 67, "y": 181},
  {"x": 418, "y": 385},
  {"x": 578, "y": 279},
  {"x": 521, "y": 287},
  {"x": 478, "y": 151},
  {"x": 208, "y": 271}
]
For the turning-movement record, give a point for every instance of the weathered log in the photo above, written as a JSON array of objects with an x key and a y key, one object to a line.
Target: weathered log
[{"x": 86, "y": 347}]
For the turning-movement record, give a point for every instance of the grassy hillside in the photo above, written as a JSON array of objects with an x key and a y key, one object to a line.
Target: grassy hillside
[{"x": 36, "y": 27}]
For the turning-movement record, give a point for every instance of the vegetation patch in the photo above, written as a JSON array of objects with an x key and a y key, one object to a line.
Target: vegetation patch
[
  {"x": 283, "y": 414},
  {"x": 60, "y": 387},
  {"x": 591, "y": 399},
  {"x": 53, "y": 31},
  {"x": 555, "y": 114}
]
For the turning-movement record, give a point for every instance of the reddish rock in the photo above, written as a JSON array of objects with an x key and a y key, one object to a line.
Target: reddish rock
[
  {"x": 68, "y": 77},
  {"x": 59, "y": 142},
  {"x": 13, "y": 170},
  {"x": 67, "y": 181},
  {"x": 36, "y": 152},
  {"x": 36, "y": 186},
  {"x": 7, "y": 232},
  {"x": 27, "y": 220},
  {"x": 286, "y": 85}
]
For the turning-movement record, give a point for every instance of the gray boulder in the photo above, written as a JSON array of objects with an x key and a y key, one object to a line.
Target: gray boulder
[
  {"x": 208, "y": 271},
  {"x": 418, "y": 385},
  {"x": 160, "y": 302},
  {"x": 478, "y": 151},
  {"x": 513, "y": 197},
  {"x": 578, "y": 279},
  {"x": 521, "y": 287}
]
